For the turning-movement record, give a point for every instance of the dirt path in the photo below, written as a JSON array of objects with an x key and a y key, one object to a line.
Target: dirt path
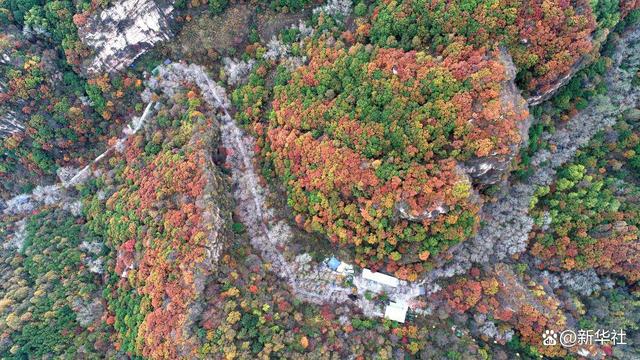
[
  {"x": 311, "y": 282},
  {"x": 54, "y": 194}
]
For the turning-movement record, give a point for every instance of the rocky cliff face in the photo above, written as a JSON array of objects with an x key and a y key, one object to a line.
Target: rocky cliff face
[
  {"x": 507, "y": 220},
  {"x": 489, "y": 170},
  {"x": 539, "y": 96},
  {"x": 124, "y": 31},
  {"x": 9, "y": 123}
]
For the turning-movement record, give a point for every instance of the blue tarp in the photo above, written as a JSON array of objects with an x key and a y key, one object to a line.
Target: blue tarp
[{"x": 333, "y": 263}]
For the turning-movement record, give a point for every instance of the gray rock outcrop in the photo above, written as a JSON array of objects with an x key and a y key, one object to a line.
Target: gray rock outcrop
[
  {"x": 507, "y": 220},
  {"x": 10, "y": 124},
  {"x": 124, "y": 31}
]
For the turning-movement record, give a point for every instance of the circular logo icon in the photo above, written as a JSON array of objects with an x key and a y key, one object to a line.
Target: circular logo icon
[{"x": 568, "y": 338}]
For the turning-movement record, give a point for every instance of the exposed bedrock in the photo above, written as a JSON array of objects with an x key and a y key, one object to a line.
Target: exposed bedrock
[
  {"x": 506, "y": 221},
  {"x": 9, "y": 123},
  {"x": 490, "y": 169},
  {"x": 539, "y": 96},
  {"x": 124, "y": 31},
  {"x": 485, "y": 170}
]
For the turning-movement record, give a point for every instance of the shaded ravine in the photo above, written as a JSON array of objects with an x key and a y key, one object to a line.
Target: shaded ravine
[{"x": 507, "y": 221}]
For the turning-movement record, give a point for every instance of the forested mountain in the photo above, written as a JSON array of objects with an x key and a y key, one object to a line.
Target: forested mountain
[{"x": 385, "y": 179}]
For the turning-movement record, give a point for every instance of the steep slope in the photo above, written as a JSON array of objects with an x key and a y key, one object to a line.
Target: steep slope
[{"x": 163, "y": 212}]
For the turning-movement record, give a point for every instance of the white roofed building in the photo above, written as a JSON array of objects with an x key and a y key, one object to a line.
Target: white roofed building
[
  {"x": 396, "y": 311},
  {"x": 380, "y": 278},
  {"x": 399, "y": 292}
]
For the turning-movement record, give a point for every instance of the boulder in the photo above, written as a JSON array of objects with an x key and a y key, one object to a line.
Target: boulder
[{"x": 632, "y": 115}]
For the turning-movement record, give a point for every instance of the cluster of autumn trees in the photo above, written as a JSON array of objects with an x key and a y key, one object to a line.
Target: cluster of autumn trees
[
  {"x": 514, "y": 300},
  {"x": 520, "y": 305},
  {"x": 590, "y": 216},
  {"x": 547, "y": 39},
  {"x": 50, "y": 294},
  {"x": 66, "y": 118},
  {"x": 369, "y": 136},
  {"x": 156, "y": 225},
  {"x": 363, "y": 133}
]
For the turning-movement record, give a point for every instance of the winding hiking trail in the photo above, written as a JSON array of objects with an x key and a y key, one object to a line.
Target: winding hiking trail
[
  {"x": 310, "y": 282},
  {"x": 53, "y": 194},
  {"x": 505, "y": 234}
]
